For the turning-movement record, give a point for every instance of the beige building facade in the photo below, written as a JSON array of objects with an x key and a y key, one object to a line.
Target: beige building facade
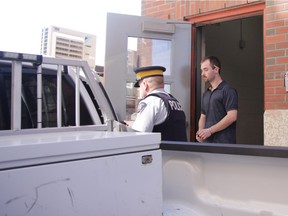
[{"x": 66, "y": 43}]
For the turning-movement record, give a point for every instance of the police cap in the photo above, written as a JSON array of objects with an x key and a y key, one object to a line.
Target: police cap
[{"x": 144, "y": 72}]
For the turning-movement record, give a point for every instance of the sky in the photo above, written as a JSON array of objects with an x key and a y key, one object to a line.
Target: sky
[{"x": 22, "y": 21}]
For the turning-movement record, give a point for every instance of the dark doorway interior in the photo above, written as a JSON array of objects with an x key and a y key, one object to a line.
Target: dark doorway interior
[{"x": 239, "y": 45}]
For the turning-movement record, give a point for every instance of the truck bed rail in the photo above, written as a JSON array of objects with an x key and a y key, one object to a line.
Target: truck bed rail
[{"x": 77, "y": 69}]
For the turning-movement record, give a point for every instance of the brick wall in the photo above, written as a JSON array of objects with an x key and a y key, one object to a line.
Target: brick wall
[
  {"x": 177, "y": 9},
  {"x": 276, "y": 44},
  {"x": 275, "y": 36}
]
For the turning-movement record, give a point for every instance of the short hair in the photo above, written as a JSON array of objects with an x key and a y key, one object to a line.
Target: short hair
[
  {"x": 155, "y": 80},
  {"x": 214, "y": 61}
]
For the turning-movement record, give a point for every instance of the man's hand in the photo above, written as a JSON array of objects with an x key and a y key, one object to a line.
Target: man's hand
[{"x": 203, "y": 134}]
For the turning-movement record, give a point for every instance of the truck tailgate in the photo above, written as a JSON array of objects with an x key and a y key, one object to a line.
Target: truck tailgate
[{"x": 81, "y": 173}]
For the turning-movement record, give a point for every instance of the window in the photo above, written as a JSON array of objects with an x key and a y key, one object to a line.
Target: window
[{"x": 49, "y": 99}]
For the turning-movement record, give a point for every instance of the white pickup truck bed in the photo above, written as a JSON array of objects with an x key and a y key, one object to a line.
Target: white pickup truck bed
[
  {"x": 80, "y": 173},
  {"x": 224, "y": 180},
  {"x": 61, "y": 155}
]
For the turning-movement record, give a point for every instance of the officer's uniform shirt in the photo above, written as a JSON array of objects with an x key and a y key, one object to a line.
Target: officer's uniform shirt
[
  {"x": 151, "y": 111},
  {"x": 162, "y": 114}
]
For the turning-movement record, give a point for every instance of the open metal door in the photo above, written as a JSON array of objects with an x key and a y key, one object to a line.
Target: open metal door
[{"x": 135, "y": 41}]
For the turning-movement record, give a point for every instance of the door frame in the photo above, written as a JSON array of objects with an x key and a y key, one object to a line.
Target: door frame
[
  {"x": 252, "y": 9},
  {"x": 119, "y": 28}
]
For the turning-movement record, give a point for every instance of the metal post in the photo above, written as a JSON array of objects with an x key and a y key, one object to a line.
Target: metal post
[
  {"x": 77, "y": 97},
  {"x": 59, "y": 96},
  {"x": 16, "y": 81},
  {"x": 39, "y": 96}
]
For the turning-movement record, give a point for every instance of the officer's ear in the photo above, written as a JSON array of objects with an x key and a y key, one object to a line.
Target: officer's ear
[{"x": 145, "y": 83}]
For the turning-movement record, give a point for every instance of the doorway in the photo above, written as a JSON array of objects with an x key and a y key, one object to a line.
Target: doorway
[{"x": 238, "y": 43}]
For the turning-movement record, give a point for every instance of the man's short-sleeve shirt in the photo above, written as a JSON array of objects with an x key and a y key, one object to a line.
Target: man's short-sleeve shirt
[{"x": 215, "y": 105}]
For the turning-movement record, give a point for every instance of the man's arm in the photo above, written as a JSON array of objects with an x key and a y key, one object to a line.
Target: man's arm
[
  {"x": 203, "y": 134},
  {"x": 201, "y": 126},
  {"x": 201, "y": 123},
  {"x": 224, "y": 122}
]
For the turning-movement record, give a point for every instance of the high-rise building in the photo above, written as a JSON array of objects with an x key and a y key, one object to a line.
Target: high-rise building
[{"x": 65, "y": 43}]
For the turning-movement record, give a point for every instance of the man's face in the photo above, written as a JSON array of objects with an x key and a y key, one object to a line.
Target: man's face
[{"x": 207, "y": 72}]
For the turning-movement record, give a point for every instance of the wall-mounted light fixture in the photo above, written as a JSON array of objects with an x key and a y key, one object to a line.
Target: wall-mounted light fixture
[{"x": 242, "y": 42}]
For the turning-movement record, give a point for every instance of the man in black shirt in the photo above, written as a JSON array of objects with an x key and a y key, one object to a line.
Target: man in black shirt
[{"x": 217, "y": 123}]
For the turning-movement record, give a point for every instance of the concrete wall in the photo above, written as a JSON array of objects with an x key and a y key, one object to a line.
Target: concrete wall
[{"x": 276, "y": 127}]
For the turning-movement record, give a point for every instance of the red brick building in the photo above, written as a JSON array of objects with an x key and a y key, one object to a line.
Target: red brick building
[{"x": 272, "y": 54}]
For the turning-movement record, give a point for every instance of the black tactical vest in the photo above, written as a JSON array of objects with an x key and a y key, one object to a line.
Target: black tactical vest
[{"x": 174, "y": 127}]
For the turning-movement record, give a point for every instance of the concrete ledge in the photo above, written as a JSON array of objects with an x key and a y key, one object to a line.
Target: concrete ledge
[{"x": 276, "y": 127}]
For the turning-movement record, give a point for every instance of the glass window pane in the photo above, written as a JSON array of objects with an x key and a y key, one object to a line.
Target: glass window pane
[{"x": 144, "y": 52}]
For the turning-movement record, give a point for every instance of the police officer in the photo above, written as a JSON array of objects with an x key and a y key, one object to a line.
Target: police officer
[{"x": 158, "y": 111}]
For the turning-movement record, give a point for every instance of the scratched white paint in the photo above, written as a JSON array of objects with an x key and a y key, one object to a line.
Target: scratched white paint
[
  {"x": 112, "y": 185},
  {"x": 103, "y": 174}
]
